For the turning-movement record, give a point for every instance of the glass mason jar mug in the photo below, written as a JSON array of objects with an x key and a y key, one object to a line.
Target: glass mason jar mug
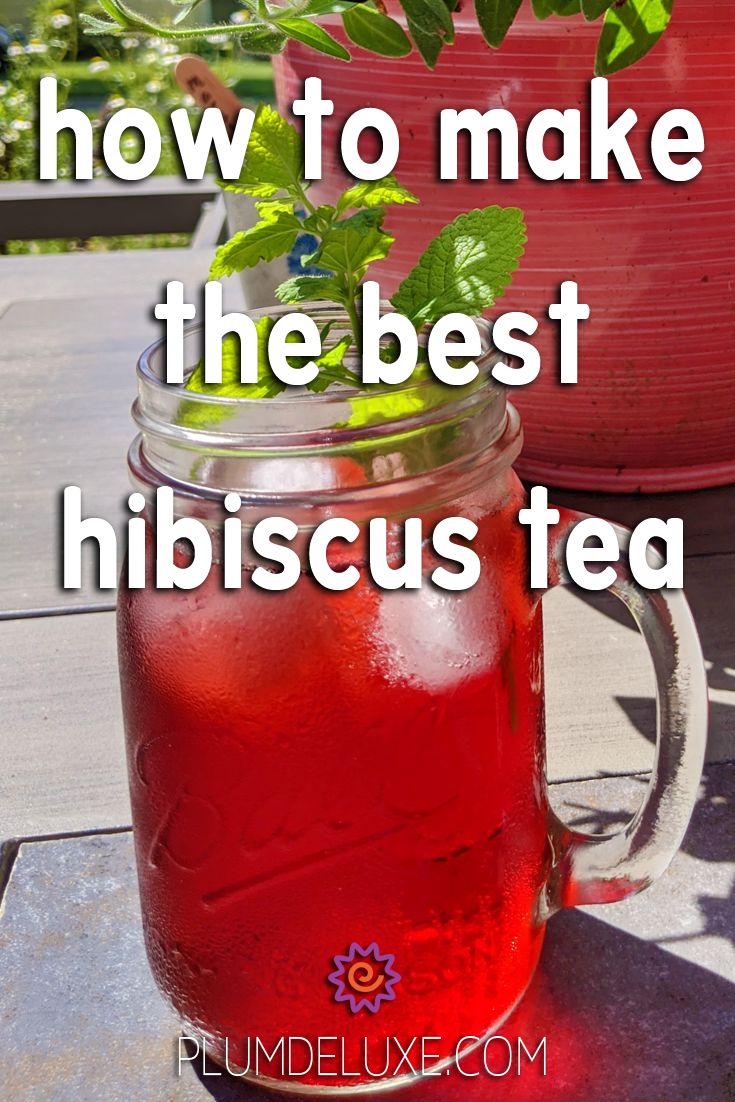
[{"x": 341, "y": 819}]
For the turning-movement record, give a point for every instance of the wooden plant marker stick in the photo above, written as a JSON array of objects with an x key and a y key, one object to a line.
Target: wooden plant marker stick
[{"x": 196, "y": 78}]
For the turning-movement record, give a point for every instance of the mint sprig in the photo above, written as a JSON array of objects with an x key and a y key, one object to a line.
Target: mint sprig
[{"x": 465, "y": 268}]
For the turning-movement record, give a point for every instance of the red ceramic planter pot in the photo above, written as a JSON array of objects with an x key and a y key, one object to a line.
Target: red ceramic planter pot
[{"x": 654, "y": 408}]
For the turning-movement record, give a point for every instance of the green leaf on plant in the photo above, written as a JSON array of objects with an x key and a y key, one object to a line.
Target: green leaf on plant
[
  {"x": 375, "y": 193},
  {"x": 347, "y": 249},
  {"x": 376, "y": 405},
  {"x": 309, "y": 288},
  {"x": 274, "y": 159},
  {"x": 322, "y": 217},
  {"x": 629, "y": 31},
  {"x": 311, "y": 34},
  {"x": 495, "y": 18},
  {"x": 199, "y": 415},
  {"x": 466, "y": 267},
  {"x": 334, "y": 356},
  {"x": 431, "y": 27},
  {"x": 196, "y": 414},
  {"x": 376, "y": 32},
  {"x": 269, "y": 209},
  {"x": 331, "y": 369},
  {"x": 593, "y": 9},
  {"x": 266, "y": 240},
  {"x": 377, "y": 408}
]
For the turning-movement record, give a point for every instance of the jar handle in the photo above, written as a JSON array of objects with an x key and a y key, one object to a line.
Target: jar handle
[{"x": 603, "y": 869}]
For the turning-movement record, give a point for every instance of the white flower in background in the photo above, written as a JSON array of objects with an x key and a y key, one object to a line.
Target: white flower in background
[
  {"x": 153, "y": 87},
  {"x": 239, "y": 17},
  {"x": 21, "y": 124},
  {"x": 169, "y": 48},
  {"x": 98, "y": 65},
  {"x": 4, "y": 89},
  {"x": 36, "y": 47},
  {"x": 217, "y": 39},
  {"x": 129, "y": 43},
  {"x": 114, "y": 103},
  {"x": 15, "y": 50},
  {"x": 60, "y": 19}
]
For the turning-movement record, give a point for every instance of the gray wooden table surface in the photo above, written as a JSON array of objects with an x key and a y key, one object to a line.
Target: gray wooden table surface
[{"x": 71, "y": 328}]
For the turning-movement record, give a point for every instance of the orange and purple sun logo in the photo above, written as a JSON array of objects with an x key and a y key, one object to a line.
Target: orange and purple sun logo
[{"x": 364, "y": 978}]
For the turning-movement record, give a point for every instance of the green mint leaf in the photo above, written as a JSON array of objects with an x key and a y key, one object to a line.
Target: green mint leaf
[
  {"x": 320, "y": 220},
  {"x": 269, "y": 209},
  {"x": 363, "y": 219},
  {"x": 326, "y": 329},
  {"x": 466, "y": 267},
  {"x": 311, "y": 34},
  {"x": 199, "y": 415},
  {"x": 195, "y": 414},
  {"x": 274, "y": 160},
  {"x": 331, "y": 369},
  {"x": 347, "y": 249},
  {"x": 431, "y": 27},
  {"x": 495, "y": 18},
  {"x": 629, "y": 31},
  {"x": 423, "y": 392},
  {"x": 593, "y": 9},
  {"x": 308, "y": 288},
  {"x": 335, "y": 356},
  {"x": 375, "y": 409},
  {"x": 265, "y": 240},
  {"x": 375, "y": 193},
  {"x": 373, "y": 31}
]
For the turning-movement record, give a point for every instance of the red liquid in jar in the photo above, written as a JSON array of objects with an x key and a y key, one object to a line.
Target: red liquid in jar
[{"x": 310, "y": 769}]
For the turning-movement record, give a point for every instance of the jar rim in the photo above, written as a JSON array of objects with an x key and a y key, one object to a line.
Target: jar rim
[
  {"x": 205, "y": 446},
  {"x": 158, "y": 399}
]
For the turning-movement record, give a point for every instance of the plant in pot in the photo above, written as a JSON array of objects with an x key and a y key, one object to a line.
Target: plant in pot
[{"x": 654, "y": 408}]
